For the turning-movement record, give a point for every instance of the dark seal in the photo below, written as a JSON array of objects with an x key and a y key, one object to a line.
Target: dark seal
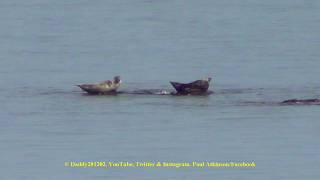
[
  {"x": 301, "y": 102},
  {"x": 197, "y": 87}
]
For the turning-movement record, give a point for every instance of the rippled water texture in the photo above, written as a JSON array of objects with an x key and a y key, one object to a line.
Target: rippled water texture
[{"x": 259, "y": 53}]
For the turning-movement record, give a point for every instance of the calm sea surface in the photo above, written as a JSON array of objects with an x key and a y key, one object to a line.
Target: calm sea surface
[{"x": 258, "y": 52}]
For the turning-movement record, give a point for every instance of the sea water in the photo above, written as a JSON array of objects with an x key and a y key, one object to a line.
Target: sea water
[{"x": 258, "y": 53}]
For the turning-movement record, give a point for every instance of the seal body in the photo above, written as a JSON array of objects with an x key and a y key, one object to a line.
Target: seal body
[
  {"x": 301, "y": 102},
  {"x": 197, "y": 87},
  {"x": 105, "y": 87}
]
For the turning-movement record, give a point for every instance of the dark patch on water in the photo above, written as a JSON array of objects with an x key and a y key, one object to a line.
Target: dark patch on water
[
  {"x": 283, "y": 103},
  {"x": 147, "y": 92}
]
